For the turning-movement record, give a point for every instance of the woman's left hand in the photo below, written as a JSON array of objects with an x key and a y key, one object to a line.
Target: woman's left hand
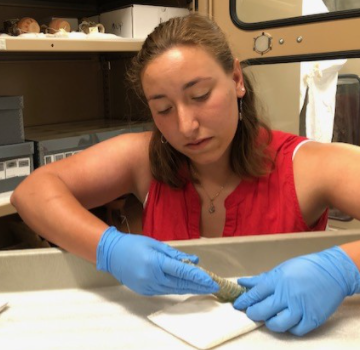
[{"x": 300, "y": 294}]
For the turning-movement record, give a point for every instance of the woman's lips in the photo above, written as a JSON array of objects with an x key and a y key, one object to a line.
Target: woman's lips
[{"x": 198, "y": 144}]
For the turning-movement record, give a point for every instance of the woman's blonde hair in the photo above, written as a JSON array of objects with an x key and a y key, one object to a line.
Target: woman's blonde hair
[{"x": 248, "y": 157}]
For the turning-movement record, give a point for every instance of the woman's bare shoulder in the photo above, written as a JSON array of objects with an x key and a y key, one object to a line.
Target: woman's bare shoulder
[
  {"x": 141, "y": 139},
  {"x": 135, "y": 149},
  {"x": 113, "y": 167},
  {"x": 133, "y": 146},
  {"x": 326, "y": 174}
]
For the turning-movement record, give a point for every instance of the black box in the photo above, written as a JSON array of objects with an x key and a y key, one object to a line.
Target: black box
[{"x": 11, "y": 120}]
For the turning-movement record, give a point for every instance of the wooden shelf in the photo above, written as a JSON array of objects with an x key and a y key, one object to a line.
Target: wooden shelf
[
  {"x": 5, "y": 207},
  {"x": 57, "y": 44}
]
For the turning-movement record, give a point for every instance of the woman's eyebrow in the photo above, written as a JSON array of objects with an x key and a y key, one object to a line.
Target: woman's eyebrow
[
  {"x": 155, "y": 97},
  {"x": 185, "y": 86},
  {"x": 195, "y": 81}
]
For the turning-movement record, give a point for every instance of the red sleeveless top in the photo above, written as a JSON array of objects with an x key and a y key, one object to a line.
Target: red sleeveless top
[{"x": 264, "y": 205}]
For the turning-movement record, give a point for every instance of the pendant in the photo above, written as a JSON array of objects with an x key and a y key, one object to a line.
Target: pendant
[{"x": 212, "y": 208}]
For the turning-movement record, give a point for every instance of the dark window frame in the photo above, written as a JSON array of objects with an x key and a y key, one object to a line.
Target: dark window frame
[
  {"x": 301, "y": 58},
  {"x": 293, "y": 21}
]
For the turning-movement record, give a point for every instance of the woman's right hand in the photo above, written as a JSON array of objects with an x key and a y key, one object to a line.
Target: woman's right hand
[{"x": 150, "y": 267}]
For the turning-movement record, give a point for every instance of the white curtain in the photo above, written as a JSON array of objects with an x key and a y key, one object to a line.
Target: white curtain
[{"x": 320, "y": 80}]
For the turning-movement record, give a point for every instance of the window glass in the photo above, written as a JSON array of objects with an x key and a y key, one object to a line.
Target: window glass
[
  {"x": 318, "y": 99},
  {"x": 255, "y": 11}
]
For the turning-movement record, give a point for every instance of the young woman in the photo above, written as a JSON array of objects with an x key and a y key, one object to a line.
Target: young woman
[{"x": 210, "y": 168}]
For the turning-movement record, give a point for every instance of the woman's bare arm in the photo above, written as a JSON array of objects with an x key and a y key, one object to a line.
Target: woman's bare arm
[
  {"x": 329, "y": 175},
  {"x": 54, "y": 200}
]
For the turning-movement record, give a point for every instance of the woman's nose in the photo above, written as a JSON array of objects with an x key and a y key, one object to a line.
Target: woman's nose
[{"x": 187, "y": 121}]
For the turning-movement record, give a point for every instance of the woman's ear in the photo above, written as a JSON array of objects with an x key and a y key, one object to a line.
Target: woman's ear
[{"x": 238, "y": 79}]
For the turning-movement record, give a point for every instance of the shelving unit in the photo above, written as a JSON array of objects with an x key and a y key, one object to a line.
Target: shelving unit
[
  {"x": 67, "y": 79},
  {"x": 19, "y": 44}
]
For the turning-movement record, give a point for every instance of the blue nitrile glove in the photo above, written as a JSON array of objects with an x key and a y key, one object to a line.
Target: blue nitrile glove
[
  {"x": 150, "y": 267},
  {"x": 301, "y": 293}
]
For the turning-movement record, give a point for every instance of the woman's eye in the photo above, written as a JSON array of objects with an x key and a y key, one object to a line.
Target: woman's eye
[
  {"x": 202, "y": 97},
  {"x": 165, "y": 111}
]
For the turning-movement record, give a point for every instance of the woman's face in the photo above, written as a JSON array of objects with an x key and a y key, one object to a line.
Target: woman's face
[{"x": 194, "y": 102}]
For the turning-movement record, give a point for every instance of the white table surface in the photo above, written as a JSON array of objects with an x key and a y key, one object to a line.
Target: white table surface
[
  {"x": 59, "y": 301},
  {"x": 116, "y": 318}
]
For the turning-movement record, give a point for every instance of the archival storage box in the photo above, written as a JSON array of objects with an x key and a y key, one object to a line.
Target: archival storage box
[
  {"x": 16, "y": 162},
  {"x": 11, "y": 120},
  {"x": 137, "y": 21},
  {"x": 56, "y": 142}
]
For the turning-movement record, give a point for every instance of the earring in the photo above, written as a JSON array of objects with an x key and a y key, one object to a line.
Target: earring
[
  {"x": 163, "y": 140},
  {"x": 240, "y": 102}
]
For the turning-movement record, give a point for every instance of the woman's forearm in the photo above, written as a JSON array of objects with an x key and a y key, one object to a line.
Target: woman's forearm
[
  {"x": 353, "y": 250},
  {"x": 48, "y": 207}
]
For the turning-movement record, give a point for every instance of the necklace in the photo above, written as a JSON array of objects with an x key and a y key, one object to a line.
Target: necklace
[{"x": 212, "y": 208}]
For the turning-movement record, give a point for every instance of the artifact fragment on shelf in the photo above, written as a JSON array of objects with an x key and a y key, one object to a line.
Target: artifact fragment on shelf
[
  {"x": 24, "y": 25},
  {"x": 87, "y": 26},
  {"x": 56, "y": 25}
]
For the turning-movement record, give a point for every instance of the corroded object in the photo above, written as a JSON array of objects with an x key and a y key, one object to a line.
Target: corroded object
[
  {"x": 229, "y": 291},
  {"x": 56, "y": 25},
  {"x": 20, "y": 26},
  {"x": 87, "y": 26}
]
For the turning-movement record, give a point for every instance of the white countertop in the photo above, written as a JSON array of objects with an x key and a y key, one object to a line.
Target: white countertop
[
  {"x": 116, "y": 318},
  {"x": 59, "y": 301}
]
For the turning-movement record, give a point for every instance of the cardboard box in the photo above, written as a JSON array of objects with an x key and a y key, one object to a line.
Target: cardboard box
[
  {"x": 11, "y": 120},
  {"x": 16, "y": 162},
  {"x": 137, "y": 21}
]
